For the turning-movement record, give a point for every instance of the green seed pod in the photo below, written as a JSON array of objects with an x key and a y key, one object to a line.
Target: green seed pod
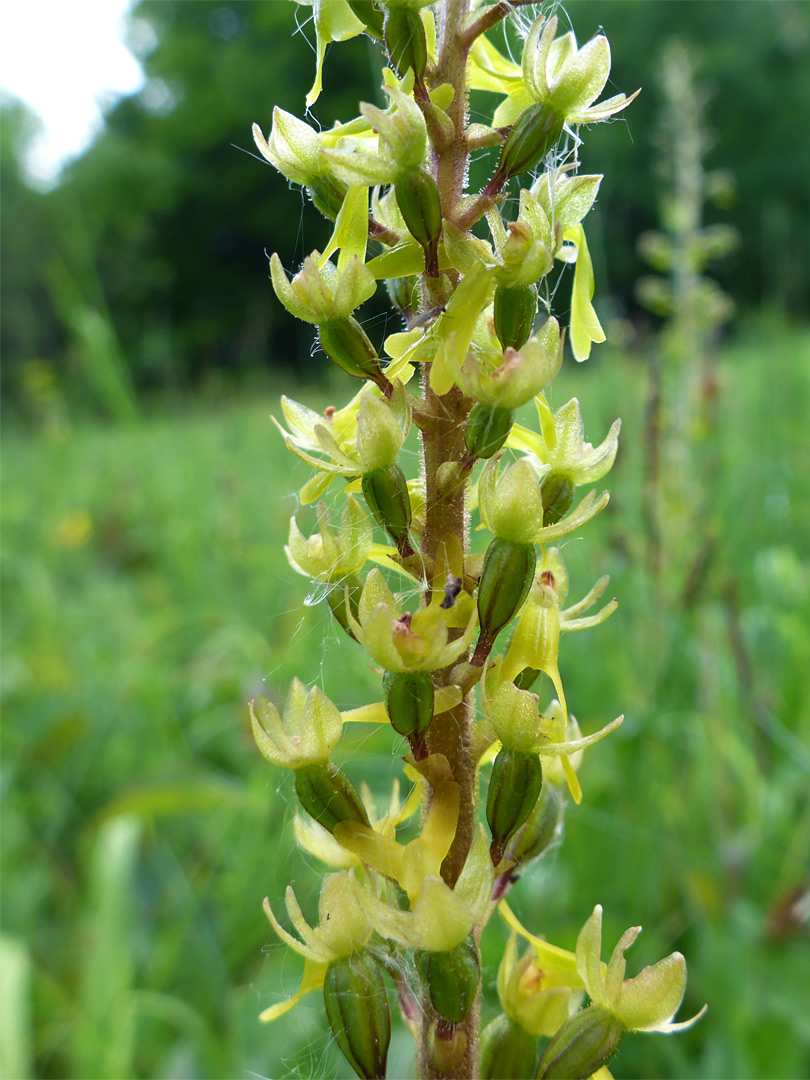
[
  {"x": 357, "y": 1007},
  {"x": 506, "y": 578},
  {"x": 327, "y": 794},
  {"x": 583, "y": 1044},
  {"x": 336, "y": 599},
  {"x": 387, "y": 497},
  {"x": 515, "y": 309},
  {"x": 345, "y": 342},
  {"x": 527, "y": 678},
  {"x": 508, "y": 1051},
  {"x": 540, "y": 829},
  {"x": 327, "y": 194},
  {"x": 368, "y": 12},
  {"x": 405, "y": 40},
  {"x": 514, "y": 788},
  {"x": 534, "y": 133},
  {"x": 487, "y": 429},
  {"x": 421, "y": 208},
  {"x": 409, "y": 701},
  {"x": 557, "y": 493},
  {"x": 451, "y": 978}
]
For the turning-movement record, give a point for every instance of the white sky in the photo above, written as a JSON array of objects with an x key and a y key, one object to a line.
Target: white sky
[{"x": 63, "y": 57}]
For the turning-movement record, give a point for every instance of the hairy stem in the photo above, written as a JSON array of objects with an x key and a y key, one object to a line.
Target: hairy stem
[{"x": 446, "y": 515}]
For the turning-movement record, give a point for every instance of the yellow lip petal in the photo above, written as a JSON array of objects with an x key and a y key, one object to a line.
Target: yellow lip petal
[{"x": 313, "y": 979}]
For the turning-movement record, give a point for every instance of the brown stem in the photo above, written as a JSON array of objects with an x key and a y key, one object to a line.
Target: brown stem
[
  {"x": 381, "y": 232},
  {"x": 443, "y": 442},
  {"x": 491, "y": 17}
]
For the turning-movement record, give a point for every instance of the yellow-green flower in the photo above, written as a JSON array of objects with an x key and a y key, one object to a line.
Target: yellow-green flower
[
  {"x": 560, "y": 446},
  {"x": 542, "y": 988},
  {"x": 553, "y": 72},
  {"x": 508, "y": 379},
  {"x": 353, "y": 440},
  {"x": 646, "y": 1003},
  {"x": 328, "y": 556},
  {"x": 401, "y": 143},
  {"x": 343, "y": 927},
  {"x": 400, "y": 641},
  {"x": 306, "y": 735},
  {"x": 439, "y": 917}
]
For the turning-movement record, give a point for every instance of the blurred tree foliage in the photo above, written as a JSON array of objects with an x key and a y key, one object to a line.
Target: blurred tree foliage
[{"x": 163, "y": 223}]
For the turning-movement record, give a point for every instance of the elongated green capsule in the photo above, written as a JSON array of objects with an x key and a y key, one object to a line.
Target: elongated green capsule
[
  {"x": 327, "y": 194},
  {"x": 515, "y": 309},
  {"x": 540, "y": 829},
  {"x": 327, "y": 794},
  {"x": 534, "y": 133},
  {"x": 583, "y": 1044},
  {"x": 409, "y": 701},
  {"x": 514, "y": 788},
  {"x": 506, "y": 578},
  {"x": 487, "y": 429},
  {"x": 357, "y": 1007},
  {"x": 405, "y": 40},
  {"x": 387, "y": 497},
  {"x": 421, "y": 207},
  {"x": 368, "y": 12},
  {"x": 508, "y": 1051},
  {"x": 336, "y": 599},
  {"x": 451, "y": 978},
  {"x": 345, "y": 342},
  {"x": 557, "y": 493}
]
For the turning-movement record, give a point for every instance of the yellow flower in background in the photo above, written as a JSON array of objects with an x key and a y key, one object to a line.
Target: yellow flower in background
[{"x": 74, "y": 530}]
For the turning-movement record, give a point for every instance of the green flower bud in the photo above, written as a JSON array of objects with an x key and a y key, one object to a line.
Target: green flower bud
[
  {"x": 514, "y": 788},
  {"x": 336, "y": 598},
  {"x": 327, "y": 795},
  {"x": 535, "y": 132},
  {"x": 386, "y": 493},
  {"x": 370, "y": 14},
  {"x": 515, "y": 309},
  {"x": 421, "y": 208},
  {"x": 506, "y": 578},
  {"x": 557, "y": 493},
  {"x": 540, "y": 829},
  {"x": 357, "y": 1007},
  {"x": 487, "y": 430},
  {"x": 583, "y": 1044},
  {"x": 405, "y": 40},
  {"x": 508, "y": 1052},
  {"x": 451, "y": 978},
  {"x": 409, "y": 701},
  {"x": 345, "y": 342}
]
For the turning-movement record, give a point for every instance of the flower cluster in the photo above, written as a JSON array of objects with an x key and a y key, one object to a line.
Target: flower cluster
[{"x": 458, "y": 654}]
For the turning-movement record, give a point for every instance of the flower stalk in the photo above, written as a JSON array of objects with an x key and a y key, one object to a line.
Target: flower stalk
[{"x": 488, "y": 761}]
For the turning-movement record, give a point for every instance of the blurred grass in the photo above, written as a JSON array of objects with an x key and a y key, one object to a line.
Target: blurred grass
[{"x": 147, "y": 597}]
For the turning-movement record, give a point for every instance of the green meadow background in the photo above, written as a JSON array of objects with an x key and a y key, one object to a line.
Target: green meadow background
[{"x": 146, "y": 496}]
